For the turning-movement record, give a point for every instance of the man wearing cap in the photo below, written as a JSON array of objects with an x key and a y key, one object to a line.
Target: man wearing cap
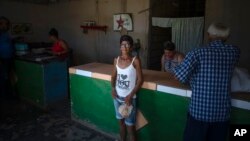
[{"x": 208, "y": 70}]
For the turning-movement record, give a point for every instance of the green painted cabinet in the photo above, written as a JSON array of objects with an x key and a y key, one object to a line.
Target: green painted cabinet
[{"x": 41, "y": 83}]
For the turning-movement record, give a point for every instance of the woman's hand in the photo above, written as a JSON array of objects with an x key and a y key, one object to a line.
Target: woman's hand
[
  {"x": 114, "y": 94},
  {"x": 128, "y": 99}
]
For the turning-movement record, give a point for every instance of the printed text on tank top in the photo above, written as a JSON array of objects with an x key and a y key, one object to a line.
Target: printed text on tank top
[{"x": 126, "y": 79}]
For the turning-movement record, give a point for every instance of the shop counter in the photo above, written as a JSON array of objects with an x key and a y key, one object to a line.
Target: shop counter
[
  {"x": 162, "y": 103},
  {"x": 41, "y": 79}
]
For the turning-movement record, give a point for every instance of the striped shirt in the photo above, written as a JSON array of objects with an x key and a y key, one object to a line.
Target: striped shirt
[{"x": 208, "y": 71}]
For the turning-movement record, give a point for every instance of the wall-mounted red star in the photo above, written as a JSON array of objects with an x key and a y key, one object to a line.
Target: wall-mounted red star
[{"x": 120, "y": 22}]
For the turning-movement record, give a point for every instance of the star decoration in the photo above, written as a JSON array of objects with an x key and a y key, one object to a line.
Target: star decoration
[{"x": 120, "y": 22}]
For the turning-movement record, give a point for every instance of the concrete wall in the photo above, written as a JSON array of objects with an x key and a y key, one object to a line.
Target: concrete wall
[
  {"x": 235, "y": 14},
  {"x": 67, "y": 16}
]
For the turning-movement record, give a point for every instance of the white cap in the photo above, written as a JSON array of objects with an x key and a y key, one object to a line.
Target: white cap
[{"x": 218, "y": 30}]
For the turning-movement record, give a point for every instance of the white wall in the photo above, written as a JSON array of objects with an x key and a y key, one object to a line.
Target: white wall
[
  {"x": 235, "y": 14},
  {"x": 67, "y": 17}
]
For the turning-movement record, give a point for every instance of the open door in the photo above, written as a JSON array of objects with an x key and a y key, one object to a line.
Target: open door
[{"x": 158, "y": 36}]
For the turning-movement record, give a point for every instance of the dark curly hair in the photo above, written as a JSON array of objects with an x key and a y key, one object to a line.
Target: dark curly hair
[
  {"x": 127, "y": 38},
  {"x": 168, "y": 45},
  {"x": 53, "y": 32},
  {"x": 7, "y": 21}
]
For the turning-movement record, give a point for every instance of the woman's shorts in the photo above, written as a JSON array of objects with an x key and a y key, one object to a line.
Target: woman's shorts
[{"x": 130, "y": 120}]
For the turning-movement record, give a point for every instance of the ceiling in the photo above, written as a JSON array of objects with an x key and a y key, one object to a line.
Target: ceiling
[{"x": 40, "y": 1}]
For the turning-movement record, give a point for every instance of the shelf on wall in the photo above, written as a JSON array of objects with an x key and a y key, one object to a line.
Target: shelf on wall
[{"x": 95, "y": 27}]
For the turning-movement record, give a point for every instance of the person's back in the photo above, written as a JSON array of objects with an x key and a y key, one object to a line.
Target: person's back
[
  {"x": 209, "y": 70},
  {"x": 215, "y": 64}
]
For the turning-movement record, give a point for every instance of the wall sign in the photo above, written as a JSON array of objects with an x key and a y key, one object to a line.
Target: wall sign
[
  {"x": 21, "y": 28},
  {"x": 123, "y": 21}
]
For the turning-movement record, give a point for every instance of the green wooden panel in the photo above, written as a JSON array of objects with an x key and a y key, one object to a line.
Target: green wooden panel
[
  {"x": 92, "y": 102},
  {"x": 30, "y": 81},
  {"x": 240, "y": 116},
  {"x": 166, "y": 113}
]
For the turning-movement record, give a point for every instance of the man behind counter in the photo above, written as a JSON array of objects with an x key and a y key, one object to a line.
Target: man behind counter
[{"x": 171, "y": 58}]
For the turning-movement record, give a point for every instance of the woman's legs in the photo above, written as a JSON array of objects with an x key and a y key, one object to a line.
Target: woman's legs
[
  {"x": 122, "y": 130},
  {"x": 132, "y": 132}
]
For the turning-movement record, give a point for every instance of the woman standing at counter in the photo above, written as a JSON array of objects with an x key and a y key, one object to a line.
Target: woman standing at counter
[
  {"x": 59, "y": 47},
  {"x": 126, "y": 80}
]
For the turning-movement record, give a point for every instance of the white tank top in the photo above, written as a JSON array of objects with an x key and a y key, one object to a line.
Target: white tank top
[{"x": 125, "y": 80}]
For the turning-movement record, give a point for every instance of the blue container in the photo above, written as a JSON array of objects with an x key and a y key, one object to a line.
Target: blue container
[{"x": 21, "y": 49}]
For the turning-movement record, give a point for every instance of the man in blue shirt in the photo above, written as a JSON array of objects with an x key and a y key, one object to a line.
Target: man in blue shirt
[
  {"x": 209, "y": 70},
  {"x": 6, "y": 54}
]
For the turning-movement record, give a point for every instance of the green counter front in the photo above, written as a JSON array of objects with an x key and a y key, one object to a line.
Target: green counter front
[
  {"x": 162, "y": 102},
  {"x": 41, "y": 83}
]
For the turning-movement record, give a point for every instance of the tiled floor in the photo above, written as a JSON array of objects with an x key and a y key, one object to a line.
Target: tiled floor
[{"x": 20, "y": 121}]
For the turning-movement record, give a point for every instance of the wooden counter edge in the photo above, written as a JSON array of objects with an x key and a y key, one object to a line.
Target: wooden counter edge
[
  {"x": 153, "y": 86},
  {"x": 101, "y": 76},
  {"x": 72, "y": 70}
]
